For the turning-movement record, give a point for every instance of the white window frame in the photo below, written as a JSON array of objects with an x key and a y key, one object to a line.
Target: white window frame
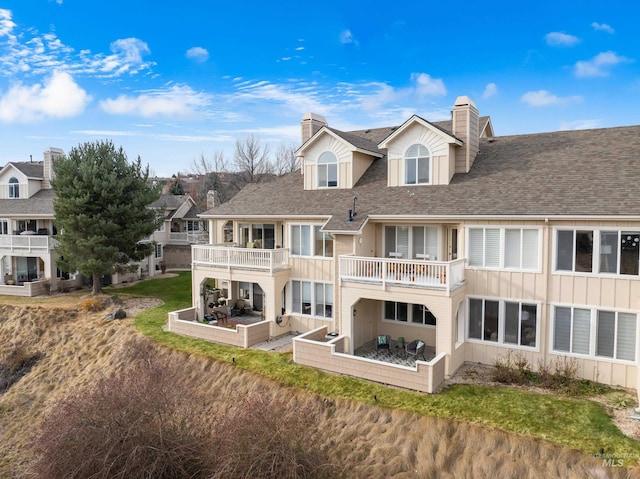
[
  {"x": 328, "y": 162},
  {"x": 14, "y": 188},
  {"x": 597, "y": 251},
  {"x": 5, "y": 226},
  {"x": 313, "y": 300},
  {"x": 411, "y": 247},
  {"x": 418, "y": 158},
  {"x": 497, "y": 259},
  {"x": 593, "y": 333},
  {"x": 502, "y": 307},
  {"x": 410, "y": 316},
  {"x": 314, "y": 228},
  {"x": 159, "y": 248}
]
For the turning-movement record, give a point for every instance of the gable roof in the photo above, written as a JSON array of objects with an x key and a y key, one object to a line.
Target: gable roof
[
  {"x": 539, "y": 175},
  {"x": 357, "y": 142},
  {"x": 31, "y": 169},
  {"x": 425, "y": 124}
]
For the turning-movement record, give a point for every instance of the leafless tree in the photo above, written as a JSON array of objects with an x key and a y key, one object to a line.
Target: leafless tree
[
  {"x": 215, "y": 176},
  {"x": 251, "y": 159},
  {"x": 285, "y": 159}
]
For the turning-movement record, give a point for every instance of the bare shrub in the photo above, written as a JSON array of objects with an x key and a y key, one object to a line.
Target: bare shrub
[
  {"x": 140, "y": 424},
  {"x": 271, "y": 439},
  {"x": 92, "y": 305},
  {"x": 512, "y": 368}
]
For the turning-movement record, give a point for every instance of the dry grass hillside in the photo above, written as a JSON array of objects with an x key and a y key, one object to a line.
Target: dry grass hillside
[{"x": 367, "y": 441}]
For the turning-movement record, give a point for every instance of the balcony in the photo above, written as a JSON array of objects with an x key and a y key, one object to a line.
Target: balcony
[
  {"x": 15, "y": 244},
  {"x": 189, "y": 237},
  {"x": 243, "y": 258},
  {"x": 439, "y": 275}
]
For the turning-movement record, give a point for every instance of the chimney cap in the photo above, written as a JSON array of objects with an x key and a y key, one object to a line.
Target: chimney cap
[
  {"x": 464, "y": 101},
  {"x": 313, "y": 116}
]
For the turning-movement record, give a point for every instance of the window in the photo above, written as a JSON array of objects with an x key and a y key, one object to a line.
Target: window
[
  {"x": 160, "y": 227},
  {"x": 302, "y": 244},
  {"x": 417, "y": 165},
  {"x": 513, "y": 248},
  {"x": 612, "y": 333},
  {"x": 412, "y": 313},
  {"x": 327, "y": 170},
  {"x": 598, "y": 251},
  {"x": 412, "y": 242},
  {"x": 244, "y": 290},
  {"x": 505, "y": 322},
  {"x": 14, "y": 188},
  {"x": 4, "y": 227},
  {"x": 304, "y": 294},
  {"x": 193, "y": 225},
  {"x": 158, "y": 250},
  {"x": 27, "y": 225}
]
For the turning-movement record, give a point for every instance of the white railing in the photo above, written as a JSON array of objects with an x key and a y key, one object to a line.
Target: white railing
[
  {"x": 190, "y": 237},
  {"x": 429, "y": 274},
  {"x": 28, "y": 243},
  {"x": 247, "y": 258}
]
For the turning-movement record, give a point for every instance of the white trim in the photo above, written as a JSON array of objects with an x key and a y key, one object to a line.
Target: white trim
[{"x": 503, "y": 228}]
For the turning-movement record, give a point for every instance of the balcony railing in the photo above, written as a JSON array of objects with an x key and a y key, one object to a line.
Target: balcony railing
[
  {"x": 189, "y": 237},
  {"x": 246, "y": 258},
  {"x": 26, "y": 243},
  {"x": 442, "y": 275}
]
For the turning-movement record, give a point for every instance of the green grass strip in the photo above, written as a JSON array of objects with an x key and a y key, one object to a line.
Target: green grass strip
[{"x": 577, "y": 423}]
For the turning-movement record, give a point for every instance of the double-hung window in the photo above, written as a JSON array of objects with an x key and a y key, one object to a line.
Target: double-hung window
[
  {"x": 313, "y": 299},
  {"x": 598, "y": 251},
  {"x": 593, "y": 332},
  {"x": 327, "y": 170},
  {"x": 503, "y": 321},
  {"x": 510, "y": 248},
  {"x": 158, "y": 250},
  {"x": 309, "y": 240},
  {"x": 417, "y": 165}
]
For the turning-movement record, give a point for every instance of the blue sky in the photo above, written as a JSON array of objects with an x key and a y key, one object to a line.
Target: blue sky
[{"x": 170, "y": 81}]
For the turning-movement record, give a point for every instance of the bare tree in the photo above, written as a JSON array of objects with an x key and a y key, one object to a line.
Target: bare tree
[
  {"x": 251, "y": 159},
  {"x": 285, "y": 159}
]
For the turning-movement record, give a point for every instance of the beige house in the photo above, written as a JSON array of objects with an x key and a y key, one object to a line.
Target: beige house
[{"x": 474, "y": 244}]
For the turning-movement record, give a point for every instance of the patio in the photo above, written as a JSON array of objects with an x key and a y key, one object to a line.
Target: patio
[{"x": 394, "y": 355}]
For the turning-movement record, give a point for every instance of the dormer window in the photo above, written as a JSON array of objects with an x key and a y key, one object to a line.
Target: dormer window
[
  {"x": 14, "y": 188},
  {"x": 327, "y": 170},
  {"x": 417, "y": 165}
]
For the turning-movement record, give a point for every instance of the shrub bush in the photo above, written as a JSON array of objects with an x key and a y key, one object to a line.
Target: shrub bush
[
  {"x": 92, "y": 305},
  {"x": 151, "y": 422}
]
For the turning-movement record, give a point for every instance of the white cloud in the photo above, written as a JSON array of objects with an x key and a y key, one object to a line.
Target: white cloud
[
  {"x": 176, "y": 101},
  {"x": 427, "y": 86},
  {"x": 198, "y": 54},
  {"x": 581, "y": 124},
  {"x": 490, "y": 90},
  {"x": 131, "y": 48},
  {"x": 346, "y": 37},
  {"x": 59, "y": 96},
  {"x": 544, "y": 98},
  {"x": 560, "y": 39},
  {"x": 599, "y": 65},
  {"x": 603, "y": 27},
  {"x": 6, "y": 24},
  {"x": 299, "y": 49}
]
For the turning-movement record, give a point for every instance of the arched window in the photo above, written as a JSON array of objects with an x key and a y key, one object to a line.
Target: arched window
[
  {"x": 327, "y": 170},
  {"x": 14, "y": 188},
  {"x": 417, "y": 165}
]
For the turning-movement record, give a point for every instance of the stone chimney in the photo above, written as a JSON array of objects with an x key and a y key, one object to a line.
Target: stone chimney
[
  {"x": 50, "y": 155},
  {"x": 211, "y": 199},
  {"x": 310, "y": 124},
  {"x": 465, "y": 122}
]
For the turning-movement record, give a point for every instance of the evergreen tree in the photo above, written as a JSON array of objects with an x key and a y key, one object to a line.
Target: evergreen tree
[{"x": 101, "y": 210}]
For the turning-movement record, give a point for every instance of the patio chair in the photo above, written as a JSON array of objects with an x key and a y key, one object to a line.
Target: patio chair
[
  {"x": 416, "y": 348},
  {"x": 383, "y": 342},
  {"x": 239, "y": 308}
]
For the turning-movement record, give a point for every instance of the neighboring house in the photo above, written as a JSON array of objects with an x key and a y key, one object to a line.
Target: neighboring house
[
  {"x": 441, "y": 232},
  {"x": 181, "y": 227},
  {"x": 27, "y": 228}
]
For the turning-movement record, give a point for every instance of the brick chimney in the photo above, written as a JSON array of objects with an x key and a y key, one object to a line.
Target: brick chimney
[
  {"x": 211, "y": 199},
  {"x": 310, "y": 124},
  {"x": 50, "y": 155},
  {"x": 466, "y": 126}
]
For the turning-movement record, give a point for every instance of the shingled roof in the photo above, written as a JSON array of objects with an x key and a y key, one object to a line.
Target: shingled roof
[
  {"x": 40, "y": 204},
  {"x": 565, "y": 173},
  {"x": 31, "y": 169}
]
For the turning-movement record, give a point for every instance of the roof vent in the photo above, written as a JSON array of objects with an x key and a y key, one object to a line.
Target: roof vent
[{"x": 491, "y": 139}]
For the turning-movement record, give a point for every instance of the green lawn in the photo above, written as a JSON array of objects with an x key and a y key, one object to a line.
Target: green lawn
[{"x": 576, "y": 423}]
